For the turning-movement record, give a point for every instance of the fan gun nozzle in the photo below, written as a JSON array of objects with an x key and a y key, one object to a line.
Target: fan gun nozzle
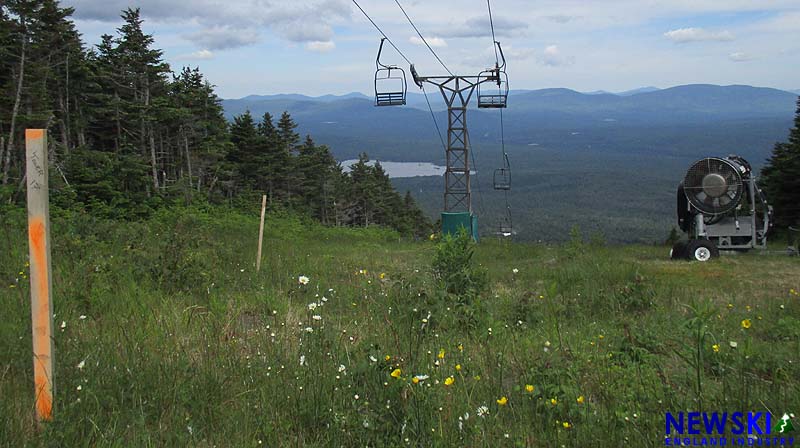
[{"x": 714, "y": 185}]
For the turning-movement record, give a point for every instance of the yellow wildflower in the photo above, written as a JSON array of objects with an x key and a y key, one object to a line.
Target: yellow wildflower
[
  {"x": 553, "y": 401},
  {"x": 730, "y": 305},
  {"x": 477, "y": 377},
  {"x": 502, "y": 401},
  {"x": 458, "y": 367},
  {"x": 449, "y": 381},
  {"x": 566, "y": 425},
  {"x": 746, "y": 324},
  {"x": 383, "y": 275},
  {"x": 387, "y": 357},
  {"x": 580, "y": 399},
  {"x": 715, "y": 347},
  {"x": 433, "y": 236},
  {"x": 529, "y": 388},
  {"x": 600, "y": 337},
  {"x": 460, "y": 348},
  {"x": 415, "y": 380},
  {"x": 396, "y": 373}
]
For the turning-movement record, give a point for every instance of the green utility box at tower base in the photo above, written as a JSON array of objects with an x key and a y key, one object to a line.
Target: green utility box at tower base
[{"x": 453, "y": 222}]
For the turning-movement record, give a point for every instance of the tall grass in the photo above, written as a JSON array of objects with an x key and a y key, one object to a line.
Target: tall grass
[{"x": 170, "y": 338}]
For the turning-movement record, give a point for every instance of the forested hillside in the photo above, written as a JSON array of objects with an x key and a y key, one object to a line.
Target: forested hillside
[{"x": 128, "y": 134}]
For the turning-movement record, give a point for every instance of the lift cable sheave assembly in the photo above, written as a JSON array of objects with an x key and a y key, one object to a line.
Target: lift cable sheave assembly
[{"x": 456, "y": 90}]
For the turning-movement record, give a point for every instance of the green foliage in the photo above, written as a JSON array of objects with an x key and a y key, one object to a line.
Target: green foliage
[
  {"x": 454, "y": 267},
  {"x": 128, "y": 136},
  {"x": 196, "y": 348},
  {"x": 781, "y": 177},
  {"x": 673, "y": 237}
]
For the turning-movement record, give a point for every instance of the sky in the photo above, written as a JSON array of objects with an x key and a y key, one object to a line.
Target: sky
[{"x": 318, "y": 47}]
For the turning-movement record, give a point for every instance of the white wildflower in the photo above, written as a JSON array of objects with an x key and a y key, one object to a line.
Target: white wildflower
[
  {"x": 316, "y": 317},
  {"x": 302, "y": 360},
  {"x": 303, "y": 280},
  {"x": 342, "y": 368},
  {"x": 81, "y": 364},
  {"x": 482, "y": 411},
  {"x": 312, "y": 306},
  {"x": 515, "y": 270}
]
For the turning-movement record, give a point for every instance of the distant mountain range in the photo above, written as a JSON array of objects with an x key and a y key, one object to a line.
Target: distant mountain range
[
  {"x": 650, "y": 119},
  {"x": 605, "y": 162}
]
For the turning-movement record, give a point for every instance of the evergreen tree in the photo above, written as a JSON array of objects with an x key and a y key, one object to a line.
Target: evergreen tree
[
  {"x": 129, "y": 135},
  {"x": 276, "y": 159},
  {"x": 781, "y": 177},
  {"x": 143, "y": 75},
  {"x": 246, "y": 151},
  {"x": 287, "y": 135}
]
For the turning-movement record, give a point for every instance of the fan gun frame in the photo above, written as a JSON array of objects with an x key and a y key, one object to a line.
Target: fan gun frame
[{"x": 740, "y": 224}]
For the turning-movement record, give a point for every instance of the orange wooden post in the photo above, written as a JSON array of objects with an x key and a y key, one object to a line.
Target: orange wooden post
[
  {"x": 41, "y": 280},
  {"x": 261, "y": 232}
]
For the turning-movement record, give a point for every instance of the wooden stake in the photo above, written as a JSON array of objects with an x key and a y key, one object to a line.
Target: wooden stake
[
  {"x": 261, "y": 231},
  {"x": 41, "y": 280}
]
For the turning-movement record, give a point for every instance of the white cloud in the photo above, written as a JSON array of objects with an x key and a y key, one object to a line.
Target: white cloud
[
  {"x": 480, "y": 27},
  {"x": 199, "y": 55},
  {"x": 223, "y": 37},
  {"x": 436, "y": 42},
  {"x": 684, "y": 35},
  {"x": 320, "y": 46},
  {"x": 738, "y": 56},
  {"x": 296, "y": 21},
  {"x": 552, "y": 57},
  {"x": 784, "y": 22}
]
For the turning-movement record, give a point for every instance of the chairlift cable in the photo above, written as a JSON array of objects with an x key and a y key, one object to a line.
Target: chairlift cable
[
  {"x": 494, "y": 39},
  {"x": 381, "y": 31},
  {"x": 433, "y": 116},
  {"x": 477, "y": 181},
  {"x": 421, "y": 37}
]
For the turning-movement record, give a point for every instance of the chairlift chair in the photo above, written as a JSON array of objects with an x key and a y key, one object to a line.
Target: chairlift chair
[
  {"x": 502, "y": 176},
  {"x": 505, "y": 227},
  {"x": 390, "y": 83},
  {"x": 491, "y": 96}
]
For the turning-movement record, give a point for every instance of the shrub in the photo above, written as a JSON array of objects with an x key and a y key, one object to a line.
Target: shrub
[{"x": 454, "y": 268}]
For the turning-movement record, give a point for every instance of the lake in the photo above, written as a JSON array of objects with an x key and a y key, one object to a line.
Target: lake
[{"x": 403, "y": 169}]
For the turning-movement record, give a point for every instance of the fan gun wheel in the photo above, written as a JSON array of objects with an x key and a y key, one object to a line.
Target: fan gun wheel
[
  {"x": 678, "y": 251},
  {"x": 701, "y": 250}
]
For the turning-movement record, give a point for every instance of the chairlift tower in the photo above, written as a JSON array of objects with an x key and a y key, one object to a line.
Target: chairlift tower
[
  {"x": 457, "y": 92},
  {"x": 391, "y": 88}
]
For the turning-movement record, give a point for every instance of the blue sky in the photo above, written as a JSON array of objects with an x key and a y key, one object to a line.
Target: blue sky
[{"x": 317, "y": 47}]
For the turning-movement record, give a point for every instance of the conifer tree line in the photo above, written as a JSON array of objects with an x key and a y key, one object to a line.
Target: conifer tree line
[
  {"x": 128, "y": 135},
  {"x": 781, "y": 177}
]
